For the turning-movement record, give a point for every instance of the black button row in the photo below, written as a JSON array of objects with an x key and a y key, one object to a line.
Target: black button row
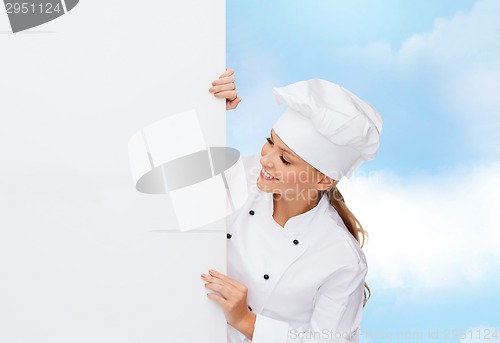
[{"x": 229, "y": 237}]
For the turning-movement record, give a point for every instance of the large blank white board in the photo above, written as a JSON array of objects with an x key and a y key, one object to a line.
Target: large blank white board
[{"x": 84, "y": 257}]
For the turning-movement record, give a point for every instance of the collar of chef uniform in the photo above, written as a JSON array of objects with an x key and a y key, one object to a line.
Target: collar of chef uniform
[{"x": 300, "y": 223}]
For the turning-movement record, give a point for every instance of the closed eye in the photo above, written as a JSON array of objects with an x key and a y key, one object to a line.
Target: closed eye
[
  {"x": 281, "y": 156},
  {"x": 284, "y": 161}
]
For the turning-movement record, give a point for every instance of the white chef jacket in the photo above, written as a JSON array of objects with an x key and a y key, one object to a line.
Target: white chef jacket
[{"x": 305, "y": 281}]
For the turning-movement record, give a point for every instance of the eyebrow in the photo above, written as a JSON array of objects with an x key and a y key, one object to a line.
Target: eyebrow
[{"x": 288, "y": 152}]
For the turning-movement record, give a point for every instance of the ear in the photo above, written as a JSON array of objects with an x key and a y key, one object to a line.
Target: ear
[{"x": 326, "y": 183}]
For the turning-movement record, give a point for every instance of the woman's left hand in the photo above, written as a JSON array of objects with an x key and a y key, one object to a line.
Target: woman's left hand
[{"x": 232, "y": 299}]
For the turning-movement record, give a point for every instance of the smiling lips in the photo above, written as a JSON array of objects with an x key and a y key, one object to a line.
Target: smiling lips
[{"x": 266, "y": 176}]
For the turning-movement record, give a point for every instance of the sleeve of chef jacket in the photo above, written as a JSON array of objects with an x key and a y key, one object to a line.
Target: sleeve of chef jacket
[{"x": 337, "y": 313}]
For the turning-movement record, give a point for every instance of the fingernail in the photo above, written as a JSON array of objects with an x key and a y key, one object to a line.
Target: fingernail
[{"x": 212, "y": 271}]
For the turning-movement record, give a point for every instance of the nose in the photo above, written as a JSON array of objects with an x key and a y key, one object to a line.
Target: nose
[{"x": 266, "y": 161}]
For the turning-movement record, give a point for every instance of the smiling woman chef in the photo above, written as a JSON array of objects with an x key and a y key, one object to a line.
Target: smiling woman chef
[{"x": 296, "y": 271}]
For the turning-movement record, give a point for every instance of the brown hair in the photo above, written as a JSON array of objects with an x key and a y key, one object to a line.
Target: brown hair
[{"x": 352, "y": 224}]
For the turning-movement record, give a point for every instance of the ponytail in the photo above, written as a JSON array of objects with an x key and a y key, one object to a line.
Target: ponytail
[{"x": 352, "y": 224}]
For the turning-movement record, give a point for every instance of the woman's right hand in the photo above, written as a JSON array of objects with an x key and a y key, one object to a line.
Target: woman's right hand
[{"x": 224, "y": 87}]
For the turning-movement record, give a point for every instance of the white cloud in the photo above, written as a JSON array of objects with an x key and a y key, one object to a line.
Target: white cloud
[
  {"x": 437, "y": 231},
  {"x": 461, "y": 60},
  {"x": 429, "y": 232},
  {"x": 465, "y": 54}
]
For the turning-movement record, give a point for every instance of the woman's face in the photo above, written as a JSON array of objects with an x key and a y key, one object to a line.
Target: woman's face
[{"x": 291, "y": 176}]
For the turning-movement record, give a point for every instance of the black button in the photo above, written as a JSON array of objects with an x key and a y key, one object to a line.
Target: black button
[
  {"x": 229, "y": 236},
  {"x": 249, "y": 308},
  {"x": 295, "y": 242},
  {"x": 252, "y": 212},
  {"x": 266, "y": 276}
]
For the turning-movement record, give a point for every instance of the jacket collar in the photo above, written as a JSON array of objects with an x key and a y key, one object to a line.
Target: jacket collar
[{"x": 301, "y": 223}]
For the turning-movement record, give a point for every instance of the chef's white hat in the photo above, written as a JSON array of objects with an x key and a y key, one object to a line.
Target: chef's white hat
[{"x": 328, "y": 126}]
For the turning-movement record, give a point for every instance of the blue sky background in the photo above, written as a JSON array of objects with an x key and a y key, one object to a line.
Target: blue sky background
[{"x": 432, "y": 69}]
